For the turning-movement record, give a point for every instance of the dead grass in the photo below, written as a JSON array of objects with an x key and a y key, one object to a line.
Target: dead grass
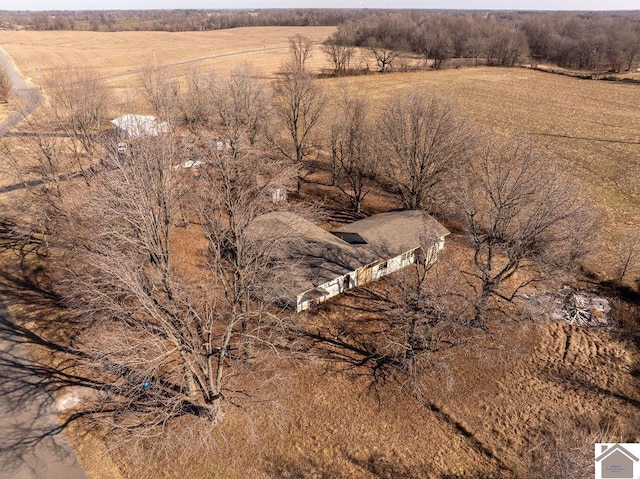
[
  {"x": 123, "y": 53},
  {"x": 497, "y": 397},
  {"x": 590, "y": 126},
  {"x": 5, "y": 110},
  {"x": 522, "y": 382},
  {"x": 513, "y": 390}
]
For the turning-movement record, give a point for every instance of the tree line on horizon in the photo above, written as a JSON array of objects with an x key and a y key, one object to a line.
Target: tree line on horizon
[{"x": 577, "y": 40}]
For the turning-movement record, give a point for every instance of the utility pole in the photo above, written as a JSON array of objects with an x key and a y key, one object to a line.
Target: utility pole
[{"x": 38, "y": 77}]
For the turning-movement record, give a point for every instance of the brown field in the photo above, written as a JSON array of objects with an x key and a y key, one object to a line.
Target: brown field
[
  {"x": 124, "y": 53},
  {"x": 544, "y": 387},
  {"x": 591, "y": 126}
]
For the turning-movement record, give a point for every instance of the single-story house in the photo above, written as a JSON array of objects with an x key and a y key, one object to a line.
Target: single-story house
[
  {"x": 137, "y": 126},
  {"x": 330, "y": 262}
]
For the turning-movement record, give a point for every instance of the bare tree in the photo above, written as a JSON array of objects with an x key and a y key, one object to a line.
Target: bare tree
[
  {"x": 299, "y": 103},
  {"x": 152, "y": 334},
  {"x": 352, "y": 150},
  {"x": 78, "y": 108},
  {"x": 424, "y": 138},
  {"x": 506, "y": 46},
  {"x": 195, "y": 104},
  {"x": 424, "y": 316},
  {"x": 631, "y": 254},
  {"x": 623, "y": 46},
  {"x": 340, "y": 55},
  {"x": 384, "y": 54},
  {"x": 517, "y": 208},
  {"x": 437, "y": 42},
  {"x": 5, "y": 85},
  {"x": 242, "y": 106},
  {"x": 65, "y": 141},
  {"x": 162, "y": 93},
  {"x": 301, "y": 48}
]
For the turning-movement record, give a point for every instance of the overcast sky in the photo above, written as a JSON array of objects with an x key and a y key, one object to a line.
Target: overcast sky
[{"x": 217, "y": 4}]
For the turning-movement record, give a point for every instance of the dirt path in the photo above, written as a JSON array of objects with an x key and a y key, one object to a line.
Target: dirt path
[
  {"x": 195, "y": 61},
  {"x": 32, "y": 98}
]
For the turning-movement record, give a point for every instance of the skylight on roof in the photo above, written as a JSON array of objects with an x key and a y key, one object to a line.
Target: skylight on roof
[{"x": 351, "y": 238}]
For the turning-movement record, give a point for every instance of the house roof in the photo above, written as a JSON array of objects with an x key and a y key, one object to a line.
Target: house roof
[
  {"x": 392, "y": 233},
  {"x": 612, "y": 449},
  {"x": 140, "y": 125},
  {"x": 324, "y": 256}
]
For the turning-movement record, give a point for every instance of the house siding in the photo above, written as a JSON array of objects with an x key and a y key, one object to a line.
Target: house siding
[{"x": 359, "y": 277}]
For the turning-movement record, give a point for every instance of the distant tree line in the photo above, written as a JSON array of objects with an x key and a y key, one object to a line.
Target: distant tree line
[
  {"x": 172, "y": 20},
  {"x": 584, "y": 41}
]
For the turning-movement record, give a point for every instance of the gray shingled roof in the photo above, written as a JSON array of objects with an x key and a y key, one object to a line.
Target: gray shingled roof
[
  {"x": 392, "y": 233},
  {"x": 323, "y": 256}
]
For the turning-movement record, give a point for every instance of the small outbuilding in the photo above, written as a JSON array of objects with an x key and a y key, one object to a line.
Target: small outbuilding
[{"x": 136, "y": 126}]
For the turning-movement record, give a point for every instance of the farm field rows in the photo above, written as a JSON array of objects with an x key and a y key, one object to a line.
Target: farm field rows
[
  {"x": 591, "y": 126},
  {"x": 508, "y": 393},
  {"x": 129, "y": 52}
]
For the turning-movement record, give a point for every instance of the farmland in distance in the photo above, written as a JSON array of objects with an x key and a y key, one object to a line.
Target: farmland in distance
[{"x": 329, "y": 424}]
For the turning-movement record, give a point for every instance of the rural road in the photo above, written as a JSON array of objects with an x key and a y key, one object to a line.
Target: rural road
[
  {"x": 52, "y": 459},
  {"x": 32, "y": 98}
]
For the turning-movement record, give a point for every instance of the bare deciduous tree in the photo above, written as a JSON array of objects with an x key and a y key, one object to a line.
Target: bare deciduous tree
[
  {"x": 630, "y": 256},
  {"x": 299, "y": 102},
  {"x": 424, "y": 315},
  {"x": 195, "y": 105},
  {"x": 77, "y": 107},
  {"x": 65, "y": 141},
  {"x": 424, "y": 138},
  {"x": 162, "y": 93},
  {"x": 384, "y": 54},
  {"x": 301, "y": 48},
  {"x": 352, "y": 151},
  {"x": 340, "y": 55},
  {"x": 241, "y": 104},
  {"x": 518, "y": 207},
  {"x": 154, "y": 334}
]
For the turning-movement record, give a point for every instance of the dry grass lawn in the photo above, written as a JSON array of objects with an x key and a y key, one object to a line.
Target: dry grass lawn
[
  {"x": 546, "y": 388},
  {"x": 525, "y": 387}
]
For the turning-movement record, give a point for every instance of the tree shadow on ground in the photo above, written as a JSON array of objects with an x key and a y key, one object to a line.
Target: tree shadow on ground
[
  {"x": 36, "y": 367},
  {"x": 375, "y": 464}
]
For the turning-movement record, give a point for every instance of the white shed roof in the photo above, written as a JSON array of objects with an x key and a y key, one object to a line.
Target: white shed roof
[{"x": 136, "y": 126}]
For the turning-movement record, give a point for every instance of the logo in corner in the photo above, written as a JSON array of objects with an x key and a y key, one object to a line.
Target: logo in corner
[{"x": 617, "y": 461}]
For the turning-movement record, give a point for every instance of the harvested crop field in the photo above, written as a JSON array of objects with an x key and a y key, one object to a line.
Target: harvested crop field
[
  {"x": 524, "y": 398},
  {"x": 124, "y": 53},
  {"x": 590, "y": 126}
]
